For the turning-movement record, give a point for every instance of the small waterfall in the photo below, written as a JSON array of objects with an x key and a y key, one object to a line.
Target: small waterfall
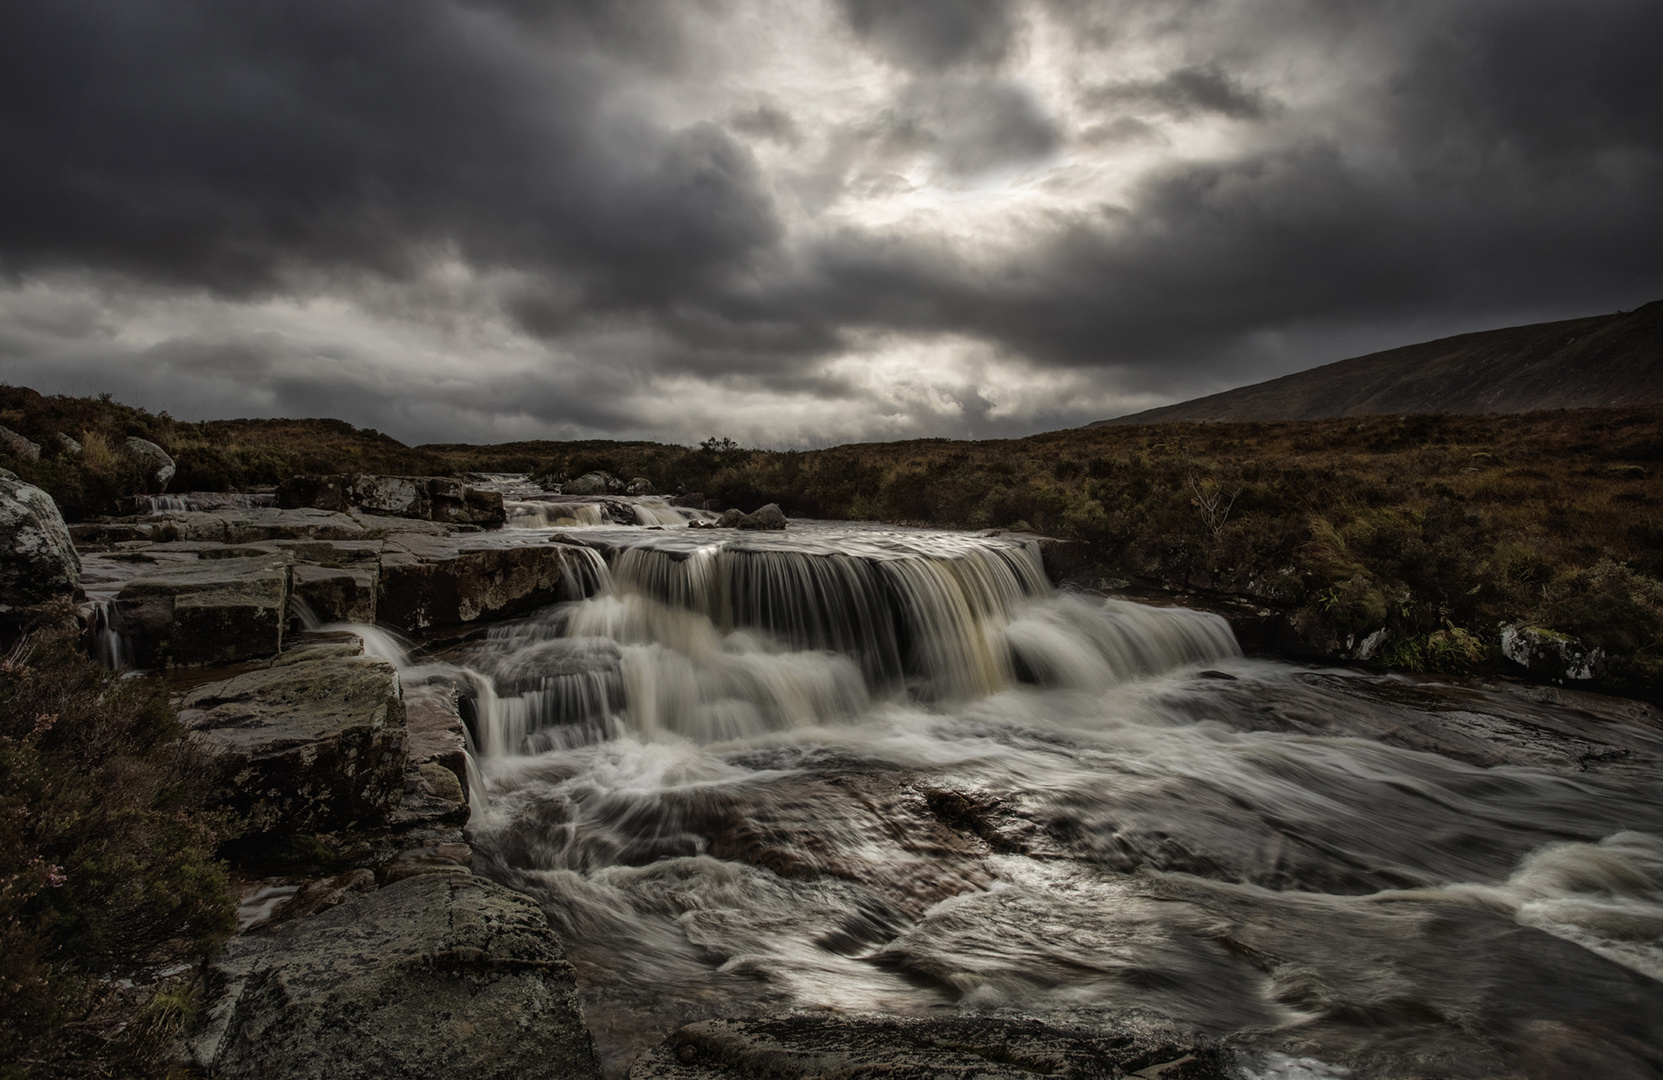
[
  {"x": 201, "y": 501},
  {"x": 646, "y": 510},
  {"x": 110, "y": 644},
  {"x": 160, "y": 504}
]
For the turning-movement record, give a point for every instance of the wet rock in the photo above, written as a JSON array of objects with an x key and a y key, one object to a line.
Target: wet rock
[
  {"x": 153, "y": 457},
  {"x": 437, "y": 736},
  {"x": 1549, "y": 654},
  {"x": 211, "y": 611},
  {"x": 16, "y": 444},
  {"x": 768, "y": 517},
  {"x": 813, "y": 1046},
  {"x": 640, "y": 485},
  {"x": 428, "y": 498},
  {"x": 730, "y": 518},
  {"x": 434, "y": 582},
  {"x": 37, "y": 559},
  {"x": 302, "y": 747},
  {"x": 323, "y": 894},
  {"x": 437, "y": 976}
]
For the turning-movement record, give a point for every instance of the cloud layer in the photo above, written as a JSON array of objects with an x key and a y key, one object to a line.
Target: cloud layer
[{"x": 794, "y": 224}]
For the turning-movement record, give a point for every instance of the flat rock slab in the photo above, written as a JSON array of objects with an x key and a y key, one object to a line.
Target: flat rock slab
[
  {"x": 440, "y": 976},
  {"x": 308, "y": 746},
  {"x": 265, "y": 523},
  {"x": 207, "y": 611},
  {"x": 338, "y": 594},
  {"x": 430, "y": 498},
  {"x": 431, "y": 582},
  {"x": 815, "y": 1046}
]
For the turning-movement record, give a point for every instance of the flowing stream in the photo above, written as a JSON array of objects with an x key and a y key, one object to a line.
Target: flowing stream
[{"x": 892, "y": 771}]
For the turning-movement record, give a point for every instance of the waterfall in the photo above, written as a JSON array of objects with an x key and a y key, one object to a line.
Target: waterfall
[
  {"x": 679, "y": 636},
  {"x": 110, "y": 645}
]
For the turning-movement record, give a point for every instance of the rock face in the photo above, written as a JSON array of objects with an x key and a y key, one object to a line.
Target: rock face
[
  {"x": 817, "y": 1046},
  {"x": 338, "y": 594},
  {"x": 429, "y": 498},
  {"x": 37, "y": 560},
  {"x": 143, "y": 450},
  {"x": 16, "y": 444},
  {"x": 439, "y": 976},
  {"x": 308, "y": 746},
  {"x": 434, "y": 582},
  {"x": 212, "y": 611}
]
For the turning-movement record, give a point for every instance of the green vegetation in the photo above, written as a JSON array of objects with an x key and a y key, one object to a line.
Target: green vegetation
[
  {"x": 1435, "y": 529},
  {"x": 107, "y": 873}
]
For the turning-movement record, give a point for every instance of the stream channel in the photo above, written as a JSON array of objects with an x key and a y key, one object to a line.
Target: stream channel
[{"x": 892, "y": 771}]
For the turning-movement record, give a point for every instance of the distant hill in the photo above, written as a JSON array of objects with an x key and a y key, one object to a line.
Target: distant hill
[{"x": 1606, "y": 360}]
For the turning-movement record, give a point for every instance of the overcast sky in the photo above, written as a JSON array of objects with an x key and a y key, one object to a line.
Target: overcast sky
[{"x": 794, "y": 223}]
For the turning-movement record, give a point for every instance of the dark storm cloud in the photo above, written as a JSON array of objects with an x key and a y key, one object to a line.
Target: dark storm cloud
[
  {"x": 1506, "y": 163},
  {"x": 929, "y": 35},
  {"x": 222, "y": 146},
  {"x": 1183, "y": 93}
]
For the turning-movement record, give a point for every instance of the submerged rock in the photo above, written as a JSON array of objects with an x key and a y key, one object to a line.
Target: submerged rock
[
  {"x": 303, "y": 747},
  {"x": 37, "y": 559},
  {"x": 210, "y": 611},
  {"x": 153, "y": 456},
  {"x": 438, "y": 976},
  {"x": 814, "y": 1046}
]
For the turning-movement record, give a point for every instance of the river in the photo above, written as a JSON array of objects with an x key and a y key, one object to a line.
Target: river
[{"x": 871, "y": 770}]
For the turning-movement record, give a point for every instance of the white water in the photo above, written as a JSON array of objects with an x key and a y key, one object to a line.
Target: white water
[{"x": 884, "y": 770}]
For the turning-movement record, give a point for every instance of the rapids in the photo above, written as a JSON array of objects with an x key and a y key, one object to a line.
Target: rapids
[{"x": 877, "y": 770}]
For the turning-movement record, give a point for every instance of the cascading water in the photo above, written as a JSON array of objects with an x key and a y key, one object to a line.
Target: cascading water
[{"x": 893, "y": 771}]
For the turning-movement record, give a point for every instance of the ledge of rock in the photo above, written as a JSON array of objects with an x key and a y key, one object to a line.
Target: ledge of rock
[
  {"x": 440, "y": 581},
  {"x": 210, "y": 611},
  {"x": 430, "y": 498},
  {"x": 314, "y": 743},
  {"x": 439, "y": 976},
  {"x": 37, "y": 560},
  {"x": 817, "y": 1046}
]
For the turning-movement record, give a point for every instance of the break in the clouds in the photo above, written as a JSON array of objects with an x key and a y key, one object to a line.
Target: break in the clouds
[{"x": 794, "y": 223}]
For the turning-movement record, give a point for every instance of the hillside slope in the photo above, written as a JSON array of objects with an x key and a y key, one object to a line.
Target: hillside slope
[{"x": 1603, "y": 361}]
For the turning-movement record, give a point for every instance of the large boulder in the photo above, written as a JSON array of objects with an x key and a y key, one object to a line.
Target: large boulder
[
  {"x": 768, "y": 517},
  {"x": 311, "y": 746},
  {"x": 593, "y": 483},
  {"x": 156, "y": 459},
  {"x": 37, "y": 559},
  {"x": 1552, "y": 655},
  {"x": 429, "y": 582},
  {"x": 428, "y": 498},
  {"x": 435, "y": 977},
  {"x": 818, "y": 1046},
  {"x": 210, "y": 611}
]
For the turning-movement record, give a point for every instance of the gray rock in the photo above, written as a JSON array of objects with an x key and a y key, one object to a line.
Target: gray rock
[
  {"x": 433, "y": 582},
  {"x": 69, "y": 442},
  {"x": 730, "y": 518},
  {"x": 147, "y": 452},
  {"x": 592, "y": 483},
  {"x": 426, "y": 498},
  {"x": 260, "y": 524},
  {"x": 640, "y": 485},
  {"x": 818, "y": 1046},
  {"x": 343, "y": 594},
  {"x": 436, "y": 977},
  {"x": 768, "y": 517},
  {"x": 212, "y": 611},
  {"x": 37, "y": 559},
  {"x": 16, "y": 444},
  {"x": 437, "y": 735},
  {"x": 302, "y": 747}
]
